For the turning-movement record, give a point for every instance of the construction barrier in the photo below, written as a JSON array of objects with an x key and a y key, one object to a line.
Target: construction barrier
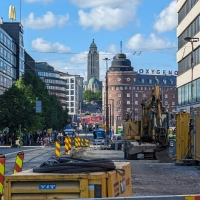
[
  {"x": 2, "y": 172},
  {"x": 86, "y": 142},
  {"x": 79, "y": 141},
  {"x": 164, "y": 197},
  {"x": 19, "y": 162},
  {"x": 57, "y": 148},
  {"x": 66, "y": 144}
]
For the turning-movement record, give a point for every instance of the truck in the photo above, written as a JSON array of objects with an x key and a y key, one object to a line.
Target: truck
[{"x": 148, "y": 136}]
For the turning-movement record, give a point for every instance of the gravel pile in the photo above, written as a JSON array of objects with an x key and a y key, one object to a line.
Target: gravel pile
[{"x": 150, "y": 177}]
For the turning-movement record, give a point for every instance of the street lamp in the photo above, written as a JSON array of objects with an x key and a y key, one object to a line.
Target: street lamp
[
  {"x": 192, "y": 111},
  {"x": 192, "y": 40}
]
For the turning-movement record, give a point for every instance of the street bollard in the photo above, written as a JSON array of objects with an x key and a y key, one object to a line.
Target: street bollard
[
  {"x": 57, "y": 148},
  {"x": 19, "y": 162},
  {"x": 2, "y": 172}
]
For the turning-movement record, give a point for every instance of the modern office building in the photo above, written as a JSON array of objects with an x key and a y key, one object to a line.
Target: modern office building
[
  {"x": 29, "y": 63},
  {"x": 127, "y": 89},
  {"x": 74, "y": 93},
  {"x": 54, "y": 83},
  {"x": 8, "y": 57},
  {"x": 15, "y": 31},
  {"x": 93, "y": 62},
  {"x": 188, "y": 55}
]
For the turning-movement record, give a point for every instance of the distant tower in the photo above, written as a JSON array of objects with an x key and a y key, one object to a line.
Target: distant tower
[{"x": 93, "y": 62}]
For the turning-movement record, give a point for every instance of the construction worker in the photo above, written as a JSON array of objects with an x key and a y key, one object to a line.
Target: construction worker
[{"x": 170, "y": 134}]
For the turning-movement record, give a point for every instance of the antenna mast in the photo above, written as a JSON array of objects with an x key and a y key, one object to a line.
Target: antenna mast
[{"x": 120, "y": 46}]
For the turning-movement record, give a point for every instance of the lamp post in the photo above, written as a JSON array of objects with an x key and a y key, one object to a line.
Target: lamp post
[
  {"x": 192, "y": 111},
  {"x": 192, "y": 40},
  {"x": 106, "y": 103}
]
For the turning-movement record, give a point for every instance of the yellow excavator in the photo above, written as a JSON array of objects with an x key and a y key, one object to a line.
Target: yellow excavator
[{"x": 142, "y": 139}]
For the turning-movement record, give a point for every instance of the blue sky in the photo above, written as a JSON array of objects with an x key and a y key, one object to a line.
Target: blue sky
[{"x": 60, "y": 31}]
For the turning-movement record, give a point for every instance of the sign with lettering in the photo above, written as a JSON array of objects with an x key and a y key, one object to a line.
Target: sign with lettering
[
  {"x": 158, "y": 72},
  {"x": 47, "y": 186}
]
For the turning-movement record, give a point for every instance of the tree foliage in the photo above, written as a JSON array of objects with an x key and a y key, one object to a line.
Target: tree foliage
[
  {"x": 18, "y": 107},
  {"x": 89, "y": 95}
]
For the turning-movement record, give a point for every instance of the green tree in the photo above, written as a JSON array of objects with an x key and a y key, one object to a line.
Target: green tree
[
  {"x": 18, "y": 109},
  {"x": 88, "y": 95}
]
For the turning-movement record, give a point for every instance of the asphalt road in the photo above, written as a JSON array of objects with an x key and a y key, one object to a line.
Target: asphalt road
[{"x": 33, "y": 156}]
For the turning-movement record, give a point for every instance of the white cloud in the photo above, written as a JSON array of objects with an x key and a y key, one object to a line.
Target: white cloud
[
  {"x": 112, "y": 49},
  {"x": 153, "y": 42},
  {"x": 40, "y": 1},
  {"x": 167, "y": 19},
  {"x": 109, "y": 14},
  {"x": 47, "y": 21},
  {"x": 44, "y": 46}
]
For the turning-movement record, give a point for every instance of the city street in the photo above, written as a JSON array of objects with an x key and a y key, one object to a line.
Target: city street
[{"x": 33, "y": 156}]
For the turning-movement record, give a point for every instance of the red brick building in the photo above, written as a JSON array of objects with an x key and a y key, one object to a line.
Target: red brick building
[{"x": 127, "y": 89}]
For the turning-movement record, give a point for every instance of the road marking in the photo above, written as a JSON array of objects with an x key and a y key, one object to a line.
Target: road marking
[{"x": 22, "y": 150}]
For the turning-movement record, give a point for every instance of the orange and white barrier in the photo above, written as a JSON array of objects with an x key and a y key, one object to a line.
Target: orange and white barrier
[
  {"x": 57, "y": 148},
  {"x": 2, "y": 172},
  {"x": 19, "y": 162}
]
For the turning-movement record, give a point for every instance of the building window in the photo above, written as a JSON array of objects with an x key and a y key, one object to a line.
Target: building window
[
  {"x": 128, "y": 102},
  {"x": 136, "y": 110},
  {"x": 136, "y": 102},
  {"x": 138, "y": 88},
  {"x": 164, "y": 81},
  {"x": 72, "y": 86},
  {"x": 143, "y": 95},
  {"x": 136, "y": 94},
  {"x": 72, "y": 80},
  {"x": 119, "y": 117},
  {"x": 128, "y": 109},
  {"x": 72, "y": 98},
  {"x": 118, "y": 102},
  {"x": 130, "y": 88},
  {"x": 173, "y": 96},
  {"x": 166, "y": 96},
  {"x": 71, "y": 92},
  {"x": 166, "y": 103},
  {"x": 150, "y": 81},
  {"x": 71, "y": 104},
  {"x": 110, "y": 95},
  {"x": 142, "y": 80},
  {"x": 145, "y": 88},
  {"x": 72, "y": 110},
  {"x": 118, "y": 109},
  {"x": 128, "y": 94},
  {"x": 126, "y": 88},
  {"x": 121, "y": 88},
  {"x": 117, "y": 88},
  {"x": 133, "y": 88},
  {"x": 118, "y": 94},
  {"x": 112, "y": 88},
  {"x": 173, "y": 103},
  {"x": 141, "y": 88}
]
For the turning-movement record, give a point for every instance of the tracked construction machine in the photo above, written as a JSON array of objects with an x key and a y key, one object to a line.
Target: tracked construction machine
[{"x": 145, "y": 138}]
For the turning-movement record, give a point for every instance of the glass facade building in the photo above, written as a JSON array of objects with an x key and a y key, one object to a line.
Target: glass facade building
[
  {"x": 188, "y": 68},
  {"x": 7, "y": 61}
]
